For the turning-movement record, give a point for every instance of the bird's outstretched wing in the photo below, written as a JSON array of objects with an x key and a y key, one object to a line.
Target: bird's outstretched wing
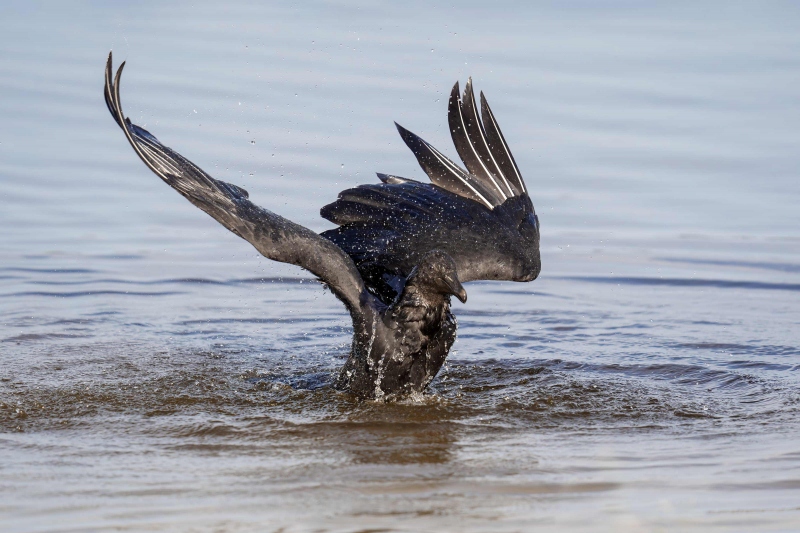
[
  {"x": 274, "y": 236},
  {"x": 481, "y": 216}
]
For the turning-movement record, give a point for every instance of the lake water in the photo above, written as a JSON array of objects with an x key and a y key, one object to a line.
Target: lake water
[{"x": 157, "y": 374}]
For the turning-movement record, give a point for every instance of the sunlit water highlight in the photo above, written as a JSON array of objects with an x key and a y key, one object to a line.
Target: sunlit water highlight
[{"x": 157, "y": 374}]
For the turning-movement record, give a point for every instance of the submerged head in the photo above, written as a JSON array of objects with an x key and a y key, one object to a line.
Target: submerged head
[
  {"x": 529, "y": 231},
  {"x": 519, "y": 213},
  {"x": 437, "y": 272}
]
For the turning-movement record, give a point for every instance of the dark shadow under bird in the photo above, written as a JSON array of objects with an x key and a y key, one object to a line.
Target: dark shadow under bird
[{"x": 402, "y": 248}]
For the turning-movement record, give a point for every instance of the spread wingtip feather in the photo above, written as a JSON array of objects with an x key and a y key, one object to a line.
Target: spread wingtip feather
[{"x": 491, "y": 176}]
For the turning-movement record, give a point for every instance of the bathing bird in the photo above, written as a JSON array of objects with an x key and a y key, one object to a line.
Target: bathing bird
[{"x": 401, "y": 247}]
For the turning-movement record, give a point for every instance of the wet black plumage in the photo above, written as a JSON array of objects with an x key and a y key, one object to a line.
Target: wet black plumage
[
  {"x": 402, "y": 247},
  {"x": 386, "y": 228}
]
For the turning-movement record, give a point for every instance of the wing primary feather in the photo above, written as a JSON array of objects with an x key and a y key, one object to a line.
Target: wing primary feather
[
  {"x": 499, "y": 148},
  {"x": 444, "y": 173},
  {"x": 107, "y": 92},
  {"x": 483, "y": 195},
  {"x": 124, "y": 124},
  {"x": 389, "y": 178},
  {"x": 464, "y": 141},
  {"x": 478, "y": 141}
]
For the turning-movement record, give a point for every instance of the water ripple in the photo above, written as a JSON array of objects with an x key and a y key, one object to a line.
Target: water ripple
[
  {"x": 684, "y": 282},
  {"x": 80, "y": 294}
]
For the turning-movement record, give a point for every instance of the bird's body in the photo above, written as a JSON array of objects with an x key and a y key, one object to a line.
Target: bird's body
[
  {"x": 401, "y": 347},
  {"x": 402, "y": 247}
]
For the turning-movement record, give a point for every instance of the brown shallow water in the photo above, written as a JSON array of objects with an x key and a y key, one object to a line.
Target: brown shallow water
[
  {"x": 156, "y": 374},
  {"x": 122, "y": 408}
]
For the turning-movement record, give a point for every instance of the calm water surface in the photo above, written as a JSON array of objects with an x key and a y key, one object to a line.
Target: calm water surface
[{"x": 157, "y": 374}]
